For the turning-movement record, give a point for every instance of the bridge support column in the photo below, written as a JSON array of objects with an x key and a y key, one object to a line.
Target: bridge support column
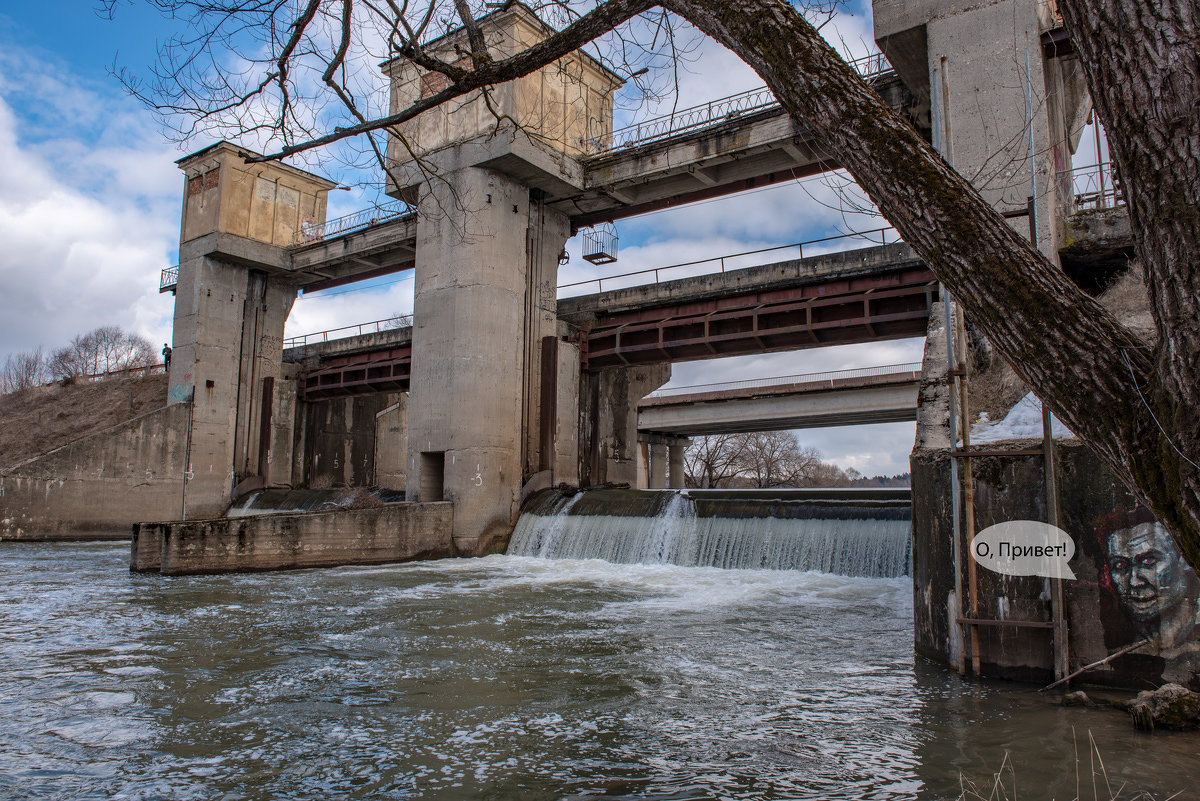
[
  {"x": 232, "y": 298},
  {"x": 486, "y": 277},
  {"x": 658, "y": 465},
  {"x": 608, "y": 419},
  {"x": 676, "y": 471},
  {"x": 228, "y": 346},
  {"x": 982, "y": 68}
]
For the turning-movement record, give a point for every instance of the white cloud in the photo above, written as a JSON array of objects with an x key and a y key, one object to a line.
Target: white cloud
[
  {"x": 86, "y": 230},
  {"x": 351, "y": 305}
]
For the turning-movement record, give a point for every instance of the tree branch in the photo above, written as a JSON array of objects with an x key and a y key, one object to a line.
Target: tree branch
[{"x": 600, "y": 20}]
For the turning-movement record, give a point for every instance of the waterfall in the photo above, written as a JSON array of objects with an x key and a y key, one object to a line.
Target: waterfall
[{"x": 837, "y": 533}]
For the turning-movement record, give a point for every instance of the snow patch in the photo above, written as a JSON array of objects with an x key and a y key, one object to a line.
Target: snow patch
[{"x": 1024, "y": 421}]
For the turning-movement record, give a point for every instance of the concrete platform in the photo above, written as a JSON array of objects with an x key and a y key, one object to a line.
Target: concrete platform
[{"x": 402, "y": 532}]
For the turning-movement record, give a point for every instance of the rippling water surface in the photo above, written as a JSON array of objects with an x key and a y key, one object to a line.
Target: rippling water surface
[{"x": 510, "y": 678}]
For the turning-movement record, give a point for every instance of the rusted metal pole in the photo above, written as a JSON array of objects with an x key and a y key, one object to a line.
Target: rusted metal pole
[
  {"x": 968, "y": 516},
  {"x": 1050, "y": 465},
  {"x": 941, "y": 137}
]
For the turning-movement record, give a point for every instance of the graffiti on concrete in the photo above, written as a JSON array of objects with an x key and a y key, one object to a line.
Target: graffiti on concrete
[{"x": 1155, "y": 590}]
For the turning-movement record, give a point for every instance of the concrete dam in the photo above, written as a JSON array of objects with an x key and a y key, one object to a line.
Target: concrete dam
[
  {"x": 848, "y": 533},
  {"x": 500, "y": 389}
]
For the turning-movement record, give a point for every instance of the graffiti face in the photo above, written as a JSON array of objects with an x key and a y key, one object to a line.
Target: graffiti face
[{"x": 1147, "y": 570}]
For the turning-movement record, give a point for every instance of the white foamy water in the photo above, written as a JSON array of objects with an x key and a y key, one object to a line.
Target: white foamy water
[{"x": 874, "y": 548}]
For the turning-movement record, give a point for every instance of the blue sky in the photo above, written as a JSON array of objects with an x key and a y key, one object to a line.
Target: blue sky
[{"x": 89, "y": 208}]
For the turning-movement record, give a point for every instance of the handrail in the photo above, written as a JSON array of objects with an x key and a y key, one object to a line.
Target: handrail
[
  {"x": 720, "y": 110},
  {"x": 882, "y": 233},
  {"x": 169, "y": 279},
  {"x": 145, "y": 369},
  {"x": 373, "y": 327},
  {"x": 1096, "y": 186},
  {"x": 806, "y": 378},
  {"x": 311, "y": 232}
]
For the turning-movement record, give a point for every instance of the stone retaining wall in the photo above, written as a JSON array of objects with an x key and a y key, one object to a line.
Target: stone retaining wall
[{"x": 98, "y": 486}]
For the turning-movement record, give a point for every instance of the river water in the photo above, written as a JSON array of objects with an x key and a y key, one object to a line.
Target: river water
[{"x": 513, "y": 678}]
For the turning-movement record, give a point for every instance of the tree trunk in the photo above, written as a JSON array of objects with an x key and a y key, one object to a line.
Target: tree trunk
[
  {"x": 1088, "y": 367},
  {"x": 1142, "y": 63}
]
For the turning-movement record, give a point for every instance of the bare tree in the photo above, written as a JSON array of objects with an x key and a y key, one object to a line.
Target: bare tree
[
  {"x": 776, "y": 459},
  {"x": 107, "y": 349},
  {"x": 1135, "y": 406},
  {"x": 712, "y": 460},
  {"x": 24, "y": 370},
  {"x": 758, "y": 459}
]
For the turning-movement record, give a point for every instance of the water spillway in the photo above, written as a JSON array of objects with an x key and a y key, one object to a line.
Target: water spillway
[
  {"x": 844, "y": 532},
  {"x": 280, "y": 501}
]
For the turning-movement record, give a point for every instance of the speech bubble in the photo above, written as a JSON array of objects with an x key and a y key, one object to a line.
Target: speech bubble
[{"x": 1024, "y": 548}]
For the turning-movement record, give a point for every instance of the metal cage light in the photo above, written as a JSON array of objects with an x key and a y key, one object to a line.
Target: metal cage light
[{"x": 600, "y": 244}]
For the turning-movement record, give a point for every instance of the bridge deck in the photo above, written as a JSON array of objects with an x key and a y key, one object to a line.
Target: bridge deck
[
  {"x": 866, "y": 295},
  {"x": 853, "y": 398}
]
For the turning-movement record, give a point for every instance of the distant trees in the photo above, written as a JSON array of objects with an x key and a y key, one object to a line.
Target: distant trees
[
  {"x": 23, "y": 370},
  {"x": 760, "y": 459},
  {"x": 712, "y": 461},
  {"x": 107, "y": 349}
]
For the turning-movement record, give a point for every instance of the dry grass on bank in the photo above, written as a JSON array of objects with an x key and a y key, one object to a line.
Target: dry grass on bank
[
  {"x": 1092, "y": 782},
  {"x": 41, "y": 419}
]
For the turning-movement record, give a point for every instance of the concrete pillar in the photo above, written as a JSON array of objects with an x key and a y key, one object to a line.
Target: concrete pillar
[
  {"x": 391, "y": 444},
  {"x": 977, "y": 63},
  {"x": 608, "y": 435},
  {"x": 231, "y": 300},
  {"x": 566, "y": 436},
  {"x": 227, "y": 358},
  {"x": 483, "y": 282},
  {"x": 658, "y": 465},
  {"x": 676, "y": 470}
]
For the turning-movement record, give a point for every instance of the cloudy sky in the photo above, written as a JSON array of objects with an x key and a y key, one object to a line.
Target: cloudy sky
[{"x": 90, "y": 206}]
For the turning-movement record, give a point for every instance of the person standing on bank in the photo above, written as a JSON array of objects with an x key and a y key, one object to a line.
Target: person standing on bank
[{"x": 166, "y": 353}]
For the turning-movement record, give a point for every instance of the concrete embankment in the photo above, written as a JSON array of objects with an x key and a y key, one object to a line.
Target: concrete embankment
[
  {"x": 393, "y": 533},
  {"x": 94, "y": 487}
]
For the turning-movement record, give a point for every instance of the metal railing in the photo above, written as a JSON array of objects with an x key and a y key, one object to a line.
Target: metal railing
[
  {"x": 346, "y": 331},
  {"x": 716, "y": 111},
  {"x": 143, "y": 369},
  {"x": 826, "y": 378},
  {"x": 169, "y": 279},
  {"x": 877, "y": 236},
  {"x": 311, "y": 232},
  {"x": 1092, "y": 188}
]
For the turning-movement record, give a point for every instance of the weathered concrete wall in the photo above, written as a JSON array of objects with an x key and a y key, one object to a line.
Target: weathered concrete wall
[
  {"x": 336, "y": 441},
  {"x": 98, "y": 486},
  {"x": 569, "y": 103},
  {"x": 391, "y": 444},
  {"x": 267, "y": 202},
  {"x": 1131, "y": 581},
  {"x": 608, "y": 435},
  {"x": 977, "y": 76},
  {"x": 394, "y": 533}
]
